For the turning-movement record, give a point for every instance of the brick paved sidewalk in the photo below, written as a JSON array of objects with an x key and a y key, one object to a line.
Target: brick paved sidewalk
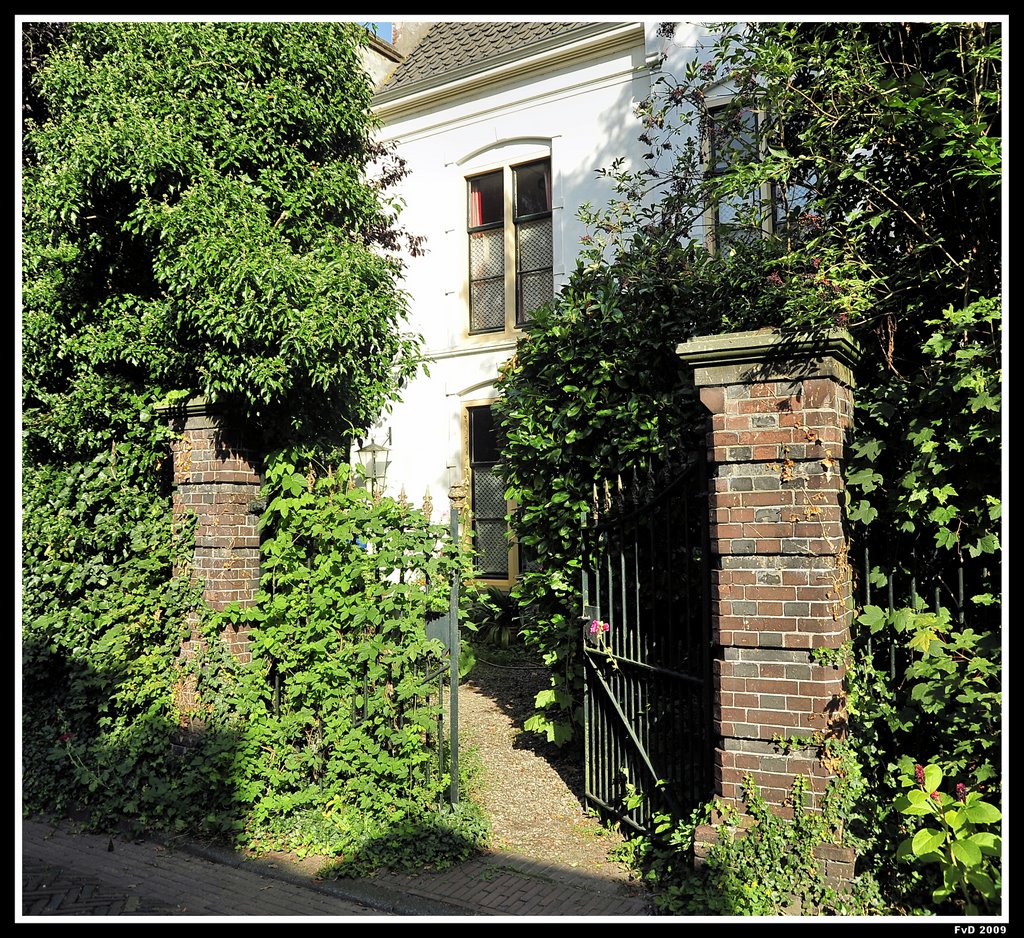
[
  {"x": 64, "y": 872},
  {"x": 68, "y": 873}
]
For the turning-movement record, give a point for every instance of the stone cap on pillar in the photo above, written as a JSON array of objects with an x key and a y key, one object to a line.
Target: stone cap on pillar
[
  {"x": 197, "y": 411},
  {"x": 768, "y": 355}
]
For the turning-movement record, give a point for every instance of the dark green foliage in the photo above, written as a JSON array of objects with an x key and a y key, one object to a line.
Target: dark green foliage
[
  {"x": 759, "y": 865},
  {"x": 102, "y": 624},
  {"x": 197, "y": 215},
  {"x": 325, "y": 742},
  {"x": 595, "y": 390},
  {"x": 878, "y": 169},
  {"x": 336, "y": 704},
  {"x": 495, "y": 618},
  {"x": 199, "y": 218}
]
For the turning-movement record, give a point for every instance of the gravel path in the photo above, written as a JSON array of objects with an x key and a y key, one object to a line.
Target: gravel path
[{"x": 531, "y": 789}]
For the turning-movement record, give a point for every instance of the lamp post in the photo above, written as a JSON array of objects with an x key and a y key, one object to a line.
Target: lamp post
[{"x": 374, "y": 459}]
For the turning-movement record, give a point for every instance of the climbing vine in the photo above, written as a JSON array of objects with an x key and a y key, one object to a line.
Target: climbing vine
[{"x": 339, "y": 711}]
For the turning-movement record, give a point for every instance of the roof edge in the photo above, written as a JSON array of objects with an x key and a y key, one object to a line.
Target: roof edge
[{"x": 592, "y": 36}]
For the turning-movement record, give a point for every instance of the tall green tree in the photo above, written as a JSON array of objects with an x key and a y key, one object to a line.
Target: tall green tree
[
  {"x": 204, "y": 212},
  {"x": 198, "y": 216}
]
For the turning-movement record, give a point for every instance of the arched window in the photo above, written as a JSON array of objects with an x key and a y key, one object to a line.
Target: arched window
[{"x": 509, "y": 227}]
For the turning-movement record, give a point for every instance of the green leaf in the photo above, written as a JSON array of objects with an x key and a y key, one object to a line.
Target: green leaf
[
  {"x": 545, "y": 698},
  {"x": 966, "y": 852},
  {"x": 923, "y": 639},
  {"x": 981, "y": 812},
  {"x": 926, "y": 841},
  {"x": 874, "y": 617},
  {"x": 982, "y": 882},
  {"x": 914, "y": 802},
  {"x": 932, "y": 777},
  {"x": 988, "y": 843}
]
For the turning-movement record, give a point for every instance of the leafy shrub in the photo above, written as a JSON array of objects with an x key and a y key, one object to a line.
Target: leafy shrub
[
  {"x": 760, "y": 864},
  {"x": 966, "y": 853},
  {"x": 496, "y": 618},
  {"x": 918, "y": 683},
  {"x": 219, "y": 235},
  {"x": 339, "y": 705}
]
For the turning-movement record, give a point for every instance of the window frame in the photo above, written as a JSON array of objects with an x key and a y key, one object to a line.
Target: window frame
[
  {"x": 765, "y": 193},
  {"x": 512, "y": 571},
  {"x": 515, "y": 320}
]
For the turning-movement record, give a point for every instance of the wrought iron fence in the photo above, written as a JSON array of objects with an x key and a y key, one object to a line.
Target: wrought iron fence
[
  {"x": 647, "y": 713},
  {"x": 925, "y": 585}
]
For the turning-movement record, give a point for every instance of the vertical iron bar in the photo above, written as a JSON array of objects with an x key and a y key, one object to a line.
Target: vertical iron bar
[
  {"x": 707, "y": 719},
  {"x": 628, "y": 678},
  {"x": 440, "y": 726},
  {"x": 693, "y": 656},
  {"x": 621, "y": 647},
  {"x": 453, "y": 694},
  {"x": 691, "y": 632},
  {"x": 611, "y": 735},
  {"x": 597, "y": 708},
  {"x": 867, "y": 598},
  {"x": 585, "y": 598}
]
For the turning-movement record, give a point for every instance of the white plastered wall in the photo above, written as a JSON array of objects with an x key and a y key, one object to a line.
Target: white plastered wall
[{"x": 580, "y": 112}]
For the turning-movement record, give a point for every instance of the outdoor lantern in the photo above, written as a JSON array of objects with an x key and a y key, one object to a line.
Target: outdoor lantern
[{"x": 374, "y": 459}]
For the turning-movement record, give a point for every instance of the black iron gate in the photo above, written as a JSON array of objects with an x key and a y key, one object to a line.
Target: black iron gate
[{"x": 647, "y": 649}]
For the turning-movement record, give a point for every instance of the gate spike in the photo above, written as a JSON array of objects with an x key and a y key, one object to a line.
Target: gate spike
[{"x": 648, "y": 485}]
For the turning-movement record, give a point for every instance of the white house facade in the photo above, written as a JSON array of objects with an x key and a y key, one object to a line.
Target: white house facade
[{"x": 504, "y": 127}]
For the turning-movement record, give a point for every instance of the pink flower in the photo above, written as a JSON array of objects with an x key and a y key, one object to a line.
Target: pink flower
[
  {"x": 64, "y": 737},
  {"x": 961, "y": 792},
  {"x": 919, "y": 774},
  {"x": 935, "y": 796},
  {"x": 597, "y": 627}
]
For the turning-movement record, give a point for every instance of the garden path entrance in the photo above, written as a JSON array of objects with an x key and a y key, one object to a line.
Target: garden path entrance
[{"x": 531, "y": 789}]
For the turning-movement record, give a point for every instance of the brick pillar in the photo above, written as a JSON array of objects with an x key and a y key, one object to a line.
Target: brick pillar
[
  {"x": 780, "y": 411},
  {"x": 217, "y": 478}
]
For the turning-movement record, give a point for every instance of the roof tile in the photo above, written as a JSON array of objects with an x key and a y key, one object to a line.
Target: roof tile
[{"x": 450, "y": 45}]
